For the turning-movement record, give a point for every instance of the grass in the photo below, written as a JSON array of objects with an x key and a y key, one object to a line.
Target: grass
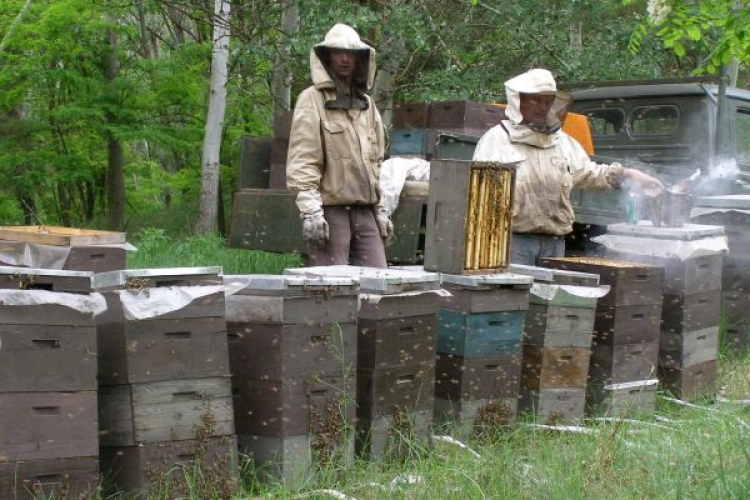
[{"x": 688, "y": 453}]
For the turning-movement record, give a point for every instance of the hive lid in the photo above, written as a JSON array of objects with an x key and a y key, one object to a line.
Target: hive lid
[
  {"x": 123, "y": 277},
  {"x": 557, "y": 276},
  {"x": 644, "y": 229},
  {"x": 294, "y": 284},
  {"x": 484, "y": 281},
  {"x": 28, "y": 271},
  {"x": 738, "y": 201},
  {"x": 374, "y": 279}
]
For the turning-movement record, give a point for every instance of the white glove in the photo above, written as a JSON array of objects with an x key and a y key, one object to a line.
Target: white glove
[
  {"x": 315, "y": 230},
  {"x": 385, "y": 226}
]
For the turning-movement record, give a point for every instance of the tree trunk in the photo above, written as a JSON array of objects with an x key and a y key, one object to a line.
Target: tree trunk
[
  {"x": 382, "y": 94},
  {"x": 282, "y": 73},
  {"x": 115, "y": 157},
  {"x": 209, "y": 198}
]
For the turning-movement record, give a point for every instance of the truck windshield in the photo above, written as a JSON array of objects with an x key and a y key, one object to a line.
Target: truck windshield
[
  {"x": 654, "y": 120},
  {"x": 606, "y": 121}
]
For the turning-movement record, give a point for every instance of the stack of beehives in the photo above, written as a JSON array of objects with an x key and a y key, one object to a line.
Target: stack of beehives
[
  {"x": 165, "y": 397},
  {"x": 479, "y": 333},
  {"x": 292, "y": 354},
  {"x": 417, "y": 125},
  {"x": 49, "y": 443},
  {"x": 733, "y": 213},
  {"x": 395, "y": 355},
  {"x": 557, "y": 343},
  {"x": 624, "y": 352}
]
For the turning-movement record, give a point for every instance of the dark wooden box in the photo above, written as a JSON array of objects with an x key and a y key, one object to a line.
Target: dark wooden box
[
  {"x": 468, "y": 114},
  {"x": 688, "y": 348},
  {"x": 390, "y": 343},
  {"x": 57, "y": 478},
  {"x": 554, "y": 406},
  {"x": 551, "y": 367},
  {"x": 620, "y": 400},
  {"x": 389, "y": 390},
  {"x": 408, "y": 220},
  {"x": 691, "y": 312},
  {"x": 627, "y": 324},
  {"x": 631, "y": 283},
  {"x": 98, "y": 258},
  {"x": 736, "y": 225},
  {"x": 162, "y": 468},
  {"x": 469, "y": 417},
  {"x": 48, "y": 358},
  {"x": 255, "y": 161},
  {"x": 283, "y": 352},
  {"x": 407, "y": 142},
  {"x": 258, "y": 215},
  {"x": 734, "y": 276},
  {"x": 19, "y": 278},
  {"x": 402, "y": 305},
  {"x": 612, "y": 364},
  {"x": 309, "y": 310},
  {"x": 292, "y": 407},
  {"x": 691, "y": 382},
  {"x": 500, "y": 298},
  {"x": 48, "y": 425},
  {"x": 459, "y": 378},
  {"x": 282, "y": 124},
  {"x": 411, "y": 115},
  {"x": 688, "y": 276},
  {"x": 133, "y": 414},
  {"x": 558, "y": 326},
  {"x": 482, "y": 334},
  {"x": 45, "y": 315},
  {"x": 392, "y": 436}
]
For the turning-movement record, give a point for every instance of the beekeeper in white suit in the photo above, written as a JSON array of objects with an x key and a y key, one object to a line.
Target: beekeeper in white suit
[{"x": 550, "y": 164}]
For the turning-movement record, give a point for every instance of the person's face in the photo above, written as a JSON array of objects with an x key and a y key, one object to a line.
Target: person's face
[
  {"x": 535, "y": 108},
  {"x": 343, "y": 63}
]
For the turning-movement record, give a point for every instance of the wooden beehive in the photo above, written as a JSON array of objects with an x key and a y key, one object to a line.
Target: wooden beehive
[{"x": 469, "y": 214}]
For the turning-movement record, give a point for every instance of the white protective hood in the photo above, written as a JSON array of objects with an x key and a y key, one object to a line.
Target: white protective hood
[{"x": 535, "y": 81}]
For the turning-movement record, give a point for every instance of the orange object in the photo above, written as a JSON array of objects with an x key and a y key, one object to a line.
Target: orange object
[{"x": 576, "y": 126}]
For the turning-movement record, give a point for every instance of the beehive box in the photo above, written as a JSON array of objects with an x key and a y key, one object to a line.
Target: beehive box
[
  {"x": 690, "y": 382},
  {"x": 729, "y": 211},
  {"x": 688, "y": 348},
  {"x": 459, "y": 378},
  {"x": 87, "y": 249},
  {"x": 691, "y": 312},
  {"x": 471, "y": 417},
  {"x": 468, "y": 114},
  {"x": 48, "y": 425},
  {"x": 393, "y": 436},
  {"x": 155, "y": 467},
  {"x": 409, "y": 142},
  {"x": 625, "y": 399},
  {"x": 486, "y": 293},
  {"x": 54, "y": 478},
  {"x": 627, "y": 324},
  {"x": 411, "y": 115},
  {"x": 388, "y": 391},
  {"x": 554, "y": 367},
  {"x": 681, "y": 276},
  {"x": 293, "y": 407},
  {"x": 481, "y": 334},
  {"x": 154, "y": 412},
  {"x": 390, "y": 343},
  {"x": 614, "y": 364},
  {"x": 555, "y": 405},
  {"x": 51, "y": 280},
  {"x": 468, "y": 216}
]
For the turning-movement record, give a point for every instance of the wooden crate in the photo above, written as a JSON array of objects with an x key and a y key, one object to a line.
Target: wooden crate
[
  {"x": 631, "y": 283},
  {"x": 255, "y": 160},
  {"x": 691, "y": 382},
  {"x": 554, "y": 406},
  {"x": 482, "y": 334},
  {"x": 691, "y": 312},
  {"x": 389, "y": 390},
  {"x": 621, "y": 400},
  {"x": 682, "y": 276},
  {"x": 76, "y": 477},
  {"x": 25, "y": 309},
  {"x": 459, "y": 378},
  {"x": 162, "y": 467},
  {"x": 688, "y": 348},
  {"x": 467, "y": 417},
  {"x": 614, "y": 364},
  {"x": 258, "y": 216},
  {"x": 551, "y": 367},
  {"x": 391, "y": 343},
  {"x": 60, "y": 236},
  {"x": 134, "y": 414},
  {"x": 282, "y": 352},
  {"x": 293, "y": 460},
  {"x": 48, "y": 425},
  {"x": 392, "y": 436},
  {"x": 558, "y": 326},
  {"x": 293, "y": 407},
  {"x": 469, "y": 114},
  {"x": 411, "y": 115},
  {"x": 627, "y": 324},
  {"x": 468, "y": 216},
  {"x": 47, "y": 358}
]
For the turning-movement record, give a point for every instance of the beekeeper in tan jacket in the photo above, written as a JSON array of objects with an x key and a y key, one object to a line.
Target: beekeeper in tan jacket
[
  {"x": 550, "y": 164},
  {"x": 335, "y": 151}
]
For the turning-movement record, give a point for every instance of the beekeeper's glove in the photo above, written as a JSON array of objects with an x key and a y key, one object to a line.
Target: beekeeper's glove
[
  {"x": 385, "y": 226},
  {"x": 314, "y": 225}
]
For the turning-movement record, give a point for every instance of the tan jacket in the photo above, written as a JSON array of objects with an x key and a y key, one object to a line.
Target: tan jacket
[{"x": 335, "y": 154}]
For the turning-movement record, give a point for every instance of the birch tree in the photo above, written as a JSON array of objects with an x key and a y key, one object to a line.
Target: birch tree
[{"x": 210, "y": 158}]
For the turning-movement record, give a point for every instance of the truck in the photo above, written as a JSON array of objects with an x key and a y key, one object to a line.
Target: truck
[{"x": 697, "y": 128}]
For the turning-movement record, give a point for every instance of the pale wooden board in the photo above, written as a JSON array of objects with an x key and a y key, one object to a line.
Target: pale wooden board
[{"x": 60, "y": 236}]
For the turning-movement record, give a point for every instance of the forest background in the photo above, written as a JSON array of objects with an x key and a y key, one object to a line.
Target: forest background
[{"x": 128, "y": 114}]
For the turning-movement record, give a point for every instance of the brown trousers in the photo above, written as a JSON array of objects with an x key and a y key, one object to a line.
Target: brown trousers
[{"x": 353, "y": 238}]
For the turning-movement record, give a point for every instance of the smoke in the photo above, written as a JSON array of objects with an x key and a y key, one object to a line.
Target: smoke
[{"x": 718, "y": 178}]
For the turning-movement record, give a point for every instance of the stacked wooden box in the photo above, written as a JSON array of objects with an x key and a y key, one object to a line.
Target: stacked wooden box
[
  {"x": 479, "y": 332},
  {"x": 165, "y": 397},
  {"x": 52, "y": 247},
  {"x": 395, "y": 355},
  {"x": 49, "y": 442},
  {"x": 733, "y": 213},
  {"x": 557, "y": 343},
  {"x": 292, "y": 353},
  {"x": 417, "y": 125},
  {"x": 282, "y": 128},
  {"x": 625, "y": 345},
  {"x": 692, "y": 258}
]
